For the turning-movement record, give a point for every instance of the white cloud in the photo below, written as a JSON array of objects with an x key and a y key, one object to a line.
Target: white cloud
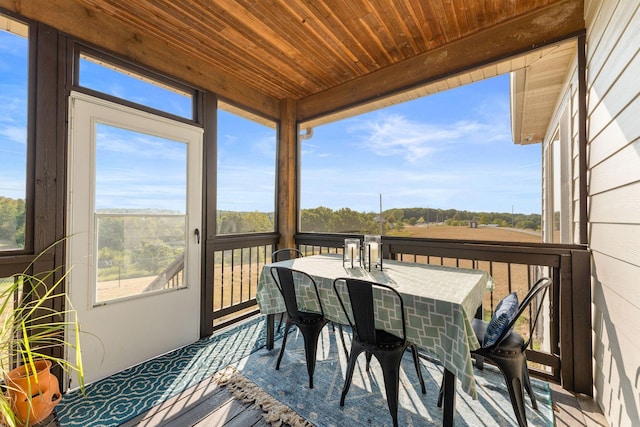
[
  {"x": 395, "y": 135},
  {"x": 139, "y": 145},
  {"x": 265, "y": 146},
  {"x": 14, "y": 133},
  {"x": 230, "y": 139}
]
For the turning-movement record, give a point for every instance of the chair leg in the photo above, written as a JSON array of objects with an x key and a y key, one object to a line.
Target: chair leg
[
  {"x": 368, "y": 356},
  {"x": 310, "y": 333},
  {"x": 280, "y": 322},
  {"x": 479, "y": 361},
  {"x": 390, "y": 363},
  {"x": 513, "y": 374},
  {"x": 527, "y": 384},
  {"x": 344, "y": 343},
  {"x": 416, "y": 361},
  {"x": 356, "y": 349},
  {"x": 284, "y": 343}
]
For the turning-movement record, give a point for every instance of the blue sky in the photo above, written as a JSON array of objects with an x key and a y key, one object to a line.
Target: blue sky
[
  {"x": 452, "y": 150},
  {"x": 138, "y": 171},
  {"x": 13, "y": 115}
]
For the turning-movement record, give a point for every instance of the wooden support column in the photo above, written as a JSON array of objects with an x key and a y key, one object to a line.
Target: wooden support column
[{"x": 287, "y": 192}]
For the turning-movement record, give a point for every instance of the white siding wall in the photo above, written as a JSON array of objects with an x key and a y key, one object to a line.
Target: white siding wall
[{"x": 613, "y": 132}]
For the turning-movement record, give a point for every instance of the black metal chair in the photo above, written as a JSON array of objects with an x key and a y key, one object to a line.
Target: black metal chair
[
  {"x": 508, "y": 351},
  {"x": 310, "y": 324},
  {"x": 285, "y": 254},
  {"x": 387, "y": 348}
]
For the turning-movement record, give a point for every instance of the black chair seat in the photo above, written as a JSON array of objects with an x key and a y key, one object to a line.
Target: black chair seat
[
  {"x": 306, "y": 317},
  {"x": 387, "y": 340}
]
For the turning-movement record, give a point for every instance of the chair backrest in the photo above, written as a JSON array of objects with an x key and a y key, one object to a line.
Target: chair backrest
[
  {"x": 535, "y": 296},
  {"x": 364, "y": 294},
  {"x": 288, "y": 282},
  {"x": 285, "y": 254}
]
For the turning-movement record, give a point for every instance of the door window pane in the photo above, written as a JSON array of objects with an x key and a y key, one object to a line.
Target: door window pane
[
  {"x": 14, "y": 47},
  {"x": 141, "y": 199},
  {"x": 246, "y": 175}
]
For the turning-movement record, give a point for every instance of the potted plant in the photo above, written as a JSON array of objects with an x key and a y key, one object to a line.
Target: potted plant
[{"x": 30, "y": 331}]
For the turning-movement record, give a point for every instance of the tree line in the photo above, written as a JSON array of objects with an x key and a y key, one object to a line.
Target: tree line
[
  {"x": 12, "y": 218},
  {"x": 346, "y": 220},
  {"x": 320, "y": 220}
]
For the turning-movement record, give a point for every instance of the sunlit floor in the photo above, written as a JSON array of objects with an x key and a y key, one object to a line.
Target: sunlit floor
[{"x": 211, "y": 405}]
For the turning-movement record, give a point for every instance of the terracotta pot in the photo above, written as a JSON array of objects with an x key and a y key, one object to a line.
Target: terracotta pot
[{"x": 45, "y": 395}]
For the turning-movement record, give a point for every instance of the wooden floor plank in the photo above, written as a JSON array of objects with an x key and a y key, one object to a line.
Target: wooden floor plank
[
  {"x": 232, "y": 414},
  {"x": 205, "y": 404},
  {"x": 570, "y": 410}
]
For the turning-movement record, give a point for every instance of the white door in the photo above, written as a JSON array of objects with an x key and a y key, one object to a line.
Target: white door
[{"x": 134, "y": 214}]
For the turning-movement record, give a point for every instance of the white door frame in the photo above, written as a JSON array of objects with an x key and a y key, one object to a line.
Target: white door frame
[{"x": 119, "y": 334}]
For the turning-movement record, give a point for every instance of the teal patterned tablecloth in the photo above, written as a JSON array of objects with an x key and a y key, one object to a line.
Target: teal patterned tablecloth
[{"x": 439, "y": 301}]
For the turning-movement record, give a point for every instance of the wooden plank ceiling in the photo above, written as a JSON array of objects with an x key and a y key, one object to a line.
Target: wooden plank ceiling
[{"x": 298, "y": 49}]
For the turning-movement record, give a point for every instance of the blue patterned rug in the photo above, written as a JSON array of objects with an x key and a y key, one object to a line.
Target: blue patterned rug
[
  {"x": 126, "y": 394},
  {"x": 366, "y": 403}
]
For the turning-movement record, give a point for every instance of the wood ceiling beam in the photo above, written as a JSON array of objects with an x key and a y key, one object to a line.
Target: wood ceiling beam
[
  {"x": 552, "y": 23},
  {"x": 100, "y": 29}
]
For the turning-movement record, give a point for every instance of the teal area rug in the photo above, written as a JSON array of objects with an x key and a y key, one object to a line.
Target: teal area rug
[
  {"x": 366, "y": 403},
  {"x": 126, "y": 394}
]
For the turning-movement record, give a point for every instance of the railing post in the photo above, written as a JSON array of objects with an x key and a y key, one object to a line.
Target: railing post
[
  {"x": 575, "y": 322},
  {"x": 565, "y": 327},
  {"x": 582, "y": 327}
]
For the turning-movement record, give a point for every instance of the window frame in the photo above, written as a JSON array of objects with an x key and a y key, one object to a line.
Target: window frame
[
  {"x": 80, "y": 49},
  {"x": 246, "y": 114},
  {"x": 558, "y": 160}
]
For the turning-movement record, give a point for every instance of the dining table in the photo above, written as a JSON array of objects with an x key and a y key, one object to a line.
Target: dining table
[{"x": 439, "y": 301}]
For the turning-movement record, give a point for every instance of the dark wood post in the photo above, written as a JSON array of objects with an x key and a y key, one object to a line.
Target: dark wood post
[{"x": 287, "y": 173}]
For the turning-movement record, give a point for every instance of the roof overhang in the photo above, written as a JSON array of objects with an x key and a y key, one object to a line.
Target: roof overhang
[
  {"x": 537, "y": 79},
  {"x": 536, "y": 89}
]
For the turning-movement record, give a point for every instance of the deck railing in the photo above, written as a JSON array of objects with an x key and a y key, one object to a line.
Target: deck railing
[
  {"x": 561, "y": 349},
  {"x": 230, "y": 292},
  {"x": 170, "y": 277}
]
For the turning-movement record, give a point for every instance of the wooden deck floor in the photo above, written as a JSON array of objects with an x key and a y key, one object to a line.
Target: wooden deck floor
[{"x": 208, "y": 404}]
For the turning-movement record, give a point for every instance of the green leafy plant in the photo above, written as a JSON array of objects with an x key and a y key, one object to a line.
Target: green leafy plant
[{"x": 31, "y": 328}]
